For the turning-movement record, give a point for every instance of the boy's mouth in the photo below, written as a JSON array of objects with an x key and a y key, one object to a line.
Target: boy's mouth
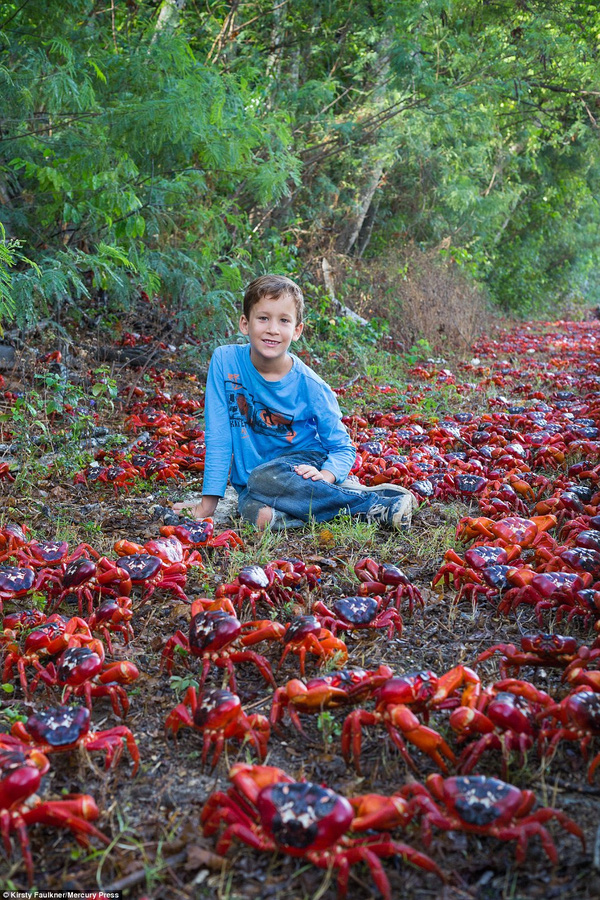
[{"x": 270, "y": 343}]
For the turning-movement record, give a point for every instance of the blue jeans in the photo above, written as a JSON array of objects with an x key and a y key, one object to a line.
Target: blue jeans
[{"x": 296, "y": 499}]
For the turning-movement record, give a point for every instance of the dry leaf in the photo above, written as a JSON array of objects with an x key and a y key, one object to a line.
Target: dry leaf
[{"x": 199, "y": 857}]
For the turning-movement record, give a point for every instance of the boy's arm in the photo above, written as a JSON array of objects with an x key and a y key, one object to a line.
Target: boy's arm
[
  {"x": 341, "y": 452},
  {"x": 219, "y": 444}
]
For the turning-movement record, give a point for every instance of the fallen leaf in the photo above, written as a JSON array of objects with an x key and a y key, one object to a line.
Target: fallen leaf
[{"x": 199, "y": 857}]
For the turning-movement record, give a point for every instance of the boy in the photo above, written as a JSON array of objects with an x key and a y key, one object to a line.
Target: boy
[{"x": 278, "y": 426}]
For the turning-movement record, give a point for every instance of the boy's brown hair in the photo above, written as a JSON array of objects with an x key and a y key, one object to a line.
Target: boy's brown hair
[{"x": 273, "y": 286}]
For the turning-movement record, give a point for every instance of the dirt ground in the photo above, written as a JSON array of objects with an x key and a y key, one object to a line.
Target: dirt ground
[{"x": 157, "y": 849}]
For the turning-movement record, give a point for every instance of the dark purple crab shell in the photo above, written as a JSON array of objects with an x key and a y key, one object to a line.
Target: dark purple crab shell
[
  {"x": 50, "y": 551},
  {"x": 195, "y": 533},
  {"x": 480, "y": 801},
  {"x": 391, "y": 575},
  {"x": 59, "y": 726},
  {"x": 589, "y": 599},
  {"x": 481, "y": 556},
  {"x": 495, "y": 576},
  {"x": 423, "y": 488},
  {"x": 358, "y": 611},
  {"x": 78, "y": 664},
  {"x": 78, "y": 572},
  {"x": 254, "y": 577},
  {"x": 374, "y": 448},
  {"x": 300, "y": 627},
  {"x": 140, "y": 566},
  {"x": 584, "y": 558},
  {"x": 211, "y": 631},
  {"x": 470, "y": 484},
  {"x": 16, "y": 580},
  {"x": 141, "y": 460},
  {"x": 584, "y": 491},
  {"x": 302, "y": 816},
  {"x": 589, "y": 538},
  {"x": 44, "y": 634},
  {"x": 217, "y": 707}
]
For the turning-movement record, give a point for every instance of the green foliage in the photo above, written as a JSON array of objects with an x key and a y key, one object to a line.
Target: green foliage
[{"x": 184, "y": 157}]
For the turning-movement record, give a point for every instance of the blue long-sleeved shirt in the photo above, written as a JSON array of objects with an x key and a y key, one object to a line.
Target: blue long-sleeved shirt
[{"x": 250, "y": 420}]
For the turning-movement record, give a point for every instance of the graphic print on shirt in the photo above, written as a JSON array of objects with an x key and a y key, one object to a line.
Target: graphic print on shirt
[{"x": 244, "y": 410}]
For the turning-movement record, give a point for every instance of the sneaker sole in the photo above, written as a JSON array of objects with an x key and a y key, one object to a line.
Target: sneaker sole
[{"x": 382, "y": 489}]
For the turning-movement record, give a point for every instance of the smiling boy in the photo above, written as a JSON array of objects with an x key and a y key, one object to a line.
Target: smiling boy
[{"x": 275, "y": 427}]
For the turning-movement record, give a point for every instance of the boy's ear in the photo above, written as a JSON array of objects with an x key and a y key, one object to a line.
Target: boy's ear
[
  {"x": 298, "y": 331},
  {"x": 243, "y": 324}
]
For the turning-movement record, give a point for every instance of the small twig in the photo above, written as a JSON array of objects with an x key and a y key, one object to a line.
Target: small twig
[{"x": 141, "y": 874}]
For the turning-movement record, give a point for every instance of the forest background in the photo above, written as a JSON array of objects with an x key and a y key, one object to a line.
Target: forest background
[{"x": 441, "y": 157}]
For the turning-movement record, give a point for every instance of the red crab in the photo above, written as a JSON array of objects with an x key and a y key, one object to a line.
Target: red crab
[
  {"x": 218, "y": 716},
  {"x": 50, "y": 554},
  {"x": 547, "y": 590},
  {"x": 326, "y": 692},
  {"x": 352, "y": 613},
  {"x": 16, "y": 581},
  {"x": 578, "y": 718},
  {"x": 47, "y": 639},
  {"x": 12, "y": 536},
  {"x": 305, "y": 634},
  {"x": 82, "y": 672},
  {"x": 511, "y": 530},
  {"x": 212, "y": 638},
  {"x": 547, "y": 650},
  {"x": 266, "y": 809},
  {"x": 148, "y": 571},
  {"x": 169, "y": 550},
  {"x": 193, "y": 533},
  {"x": 384, "y": 578},
  {"x": 86, "y": 579},
  {"x": 113, "y": 615},
  {"x": 487, "y": 806},
  {"x": 398, "y": 701},
  {"x": 504, "y": 719},
  {"x": 63, "y": 728},
  {"x": 21, "y": 769},
  {"x": 257, "y": 583}
]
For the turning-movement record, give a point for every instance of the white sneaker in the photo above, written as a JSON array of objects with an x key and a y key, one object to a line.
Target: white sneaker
[
  {"x": 397, "y": 515},
  {"x": 385, "y": 490}
]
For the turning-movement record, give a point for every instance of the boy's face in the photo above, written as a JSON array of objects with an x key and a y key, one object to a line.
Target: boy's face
[{"x": 272, "y": 327}]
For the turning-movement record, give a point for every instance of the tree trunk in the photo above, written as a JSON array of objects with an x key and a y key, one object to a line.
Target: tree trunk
[
  {"x": 168, "y": 18},
  {"x": 350, "y": 236}
]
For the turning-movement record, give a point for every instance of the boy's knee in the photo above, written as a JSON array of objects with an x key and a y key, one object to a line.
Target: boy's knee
[
  {"x": 266, "y": 477},
  {"x": 264, "y": 518}
]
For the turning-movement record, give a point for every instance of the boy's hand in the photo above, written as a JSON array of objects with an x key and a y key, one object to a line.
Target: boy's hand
[
  {"x": 315, "y": 474},
  {"x": 202, "y": 510}
]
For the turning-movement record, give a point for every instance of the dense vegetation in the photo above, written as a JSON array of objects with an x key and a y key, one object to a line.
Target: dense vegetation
[{"x": 180, "y": 147}]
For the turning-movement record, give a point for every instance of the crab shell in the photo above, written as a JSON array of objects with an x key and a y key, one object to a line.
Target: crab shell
[
  {"x": 77, "y": 665},
  {"x": 479, "y": 802},
  {"x": 140, "y": 566},
  {"x": 254, "y": 577},
  {"x": 15, "y": 579},
  {"x": 356, "y": 610},
  {"x": 211, "y": 631},
  {"x": 217, "y": 709},
  {"x": 58, "y": 726},
  {"x": 20, "y": 774},
  {"x": 301, "y": 816}
]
